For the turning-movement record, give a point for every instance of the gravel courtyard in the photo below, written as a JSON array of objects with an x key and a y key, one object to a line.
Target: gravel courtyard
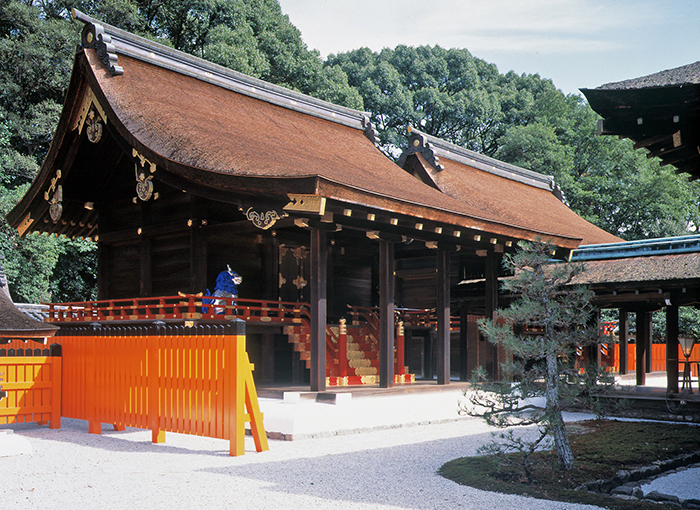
[{"x": 390, "y": 467}]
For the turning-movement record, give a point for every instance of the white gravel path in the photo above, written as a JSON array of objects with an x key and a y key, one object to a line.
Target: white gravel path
[{"x": 390, "y": 468}]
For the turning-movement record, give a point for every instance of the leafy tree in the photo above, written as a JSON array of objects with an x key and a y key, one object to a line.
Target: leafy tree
[
  {"x": 541, "y": 329},
  {"x": 524, "y": 120}
]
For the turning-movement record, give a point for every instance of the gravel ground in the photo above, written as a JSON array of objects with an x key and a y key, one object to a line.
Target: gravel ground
[{"x": 392, "y": 464}]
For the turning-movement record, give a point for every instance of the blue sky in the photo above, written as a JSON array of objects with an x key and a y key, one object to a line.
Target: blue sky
[{"x": 575, "y": 43}]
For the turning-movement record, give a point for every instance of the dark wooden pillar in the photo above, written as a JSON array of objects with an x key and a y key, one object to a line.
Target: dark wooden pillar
[
  {"x": 386, "y": 314},
  {"x": 643, "y": 340},
  {"x": 443, "y": 317},
  {"x": 317, "y": 282},
  {"x": 102, "y": 271},
  {"x": 491, "y": 307},
  {"x": 623, "y": 328},
  {"x": 145, "y": 268},
  {"x": 198, "y": 261},
  {"x": 672, "y": 349},
  {"x": 463, "y": 351}
]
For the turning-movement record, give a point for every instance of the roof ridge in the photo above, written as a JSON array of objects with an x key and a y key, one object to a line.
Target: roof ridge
[
  {"x": 434, "y": 148},
  {"x": 110, "y": 41}
]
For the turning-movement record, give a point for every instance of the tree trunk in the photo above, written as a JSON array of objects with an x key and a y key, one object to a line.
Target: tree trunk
[{"x": 556, "y": 422}]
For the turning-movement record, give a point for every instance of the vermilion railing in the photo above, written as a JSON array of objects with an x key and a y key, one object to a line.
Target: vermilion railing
[
  {"x": 409, "y": 316},
  {"x": 182, "y": 307},
  {"x": 192, "y": 380}
]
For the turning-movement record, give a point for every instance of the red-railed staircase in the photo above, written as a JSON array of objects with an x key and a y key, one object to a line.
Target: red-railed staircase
[{"x": 352, "y": 353}]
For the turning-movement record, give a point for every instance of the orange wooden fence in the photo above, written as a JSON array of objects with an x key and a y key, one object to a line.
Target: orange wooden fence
[
  {"x": 33, "y": 386},
  {"x": 191, "y": 380},
  {"x": 658, "y": 357}
]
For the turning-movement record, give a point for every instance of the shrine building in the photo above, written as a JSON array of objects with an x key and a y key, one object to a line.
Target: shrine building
[{"x": 179, "y": 168}]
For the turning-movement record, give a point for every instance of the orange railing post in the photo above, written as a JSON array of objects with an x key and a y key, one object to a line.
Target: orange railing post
[
  {"x": 399, "y": 367},
  {"x": 343, "y": 349},
  {"x": 56, "y": 379}
]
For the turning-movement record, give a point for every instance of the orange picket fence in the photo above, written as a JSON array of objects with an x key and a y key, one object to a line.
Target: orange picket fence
[
  {"x": 658, "y": 357},
  {"x": 32, "y": 384},
  {"x": 191, "y": 380}
]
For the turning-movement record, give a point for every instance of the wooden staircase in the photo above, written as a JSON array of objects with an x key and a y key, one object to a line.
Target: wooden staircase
[{"x": 359, "y": 365}]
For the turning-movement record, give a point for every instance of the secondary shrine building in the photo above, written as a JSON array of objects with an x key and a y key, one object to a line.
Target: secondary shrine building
[{"x": 178, "y": 168}]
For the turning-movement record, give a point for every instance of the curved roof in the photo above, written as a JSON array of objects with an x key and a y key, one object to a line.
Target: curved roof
[
  {"x": 207, "y": 126},
  {"x": 495, "y": 189}
]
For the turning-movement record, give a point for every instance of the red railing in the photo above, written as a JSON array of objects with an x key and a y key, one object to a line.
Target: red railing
[
  {"x": 425, "y": 317},
  {"x": 181, "y": 307}
]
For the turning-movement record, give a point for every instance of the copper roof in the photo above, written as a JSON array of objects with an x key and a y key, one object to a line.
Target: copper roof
[{"x": 209, "y": 126}]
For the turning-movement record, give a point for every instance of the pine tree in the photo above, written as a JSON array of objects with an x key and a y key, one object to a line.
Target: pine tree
[{"x": 549, "y": 318}]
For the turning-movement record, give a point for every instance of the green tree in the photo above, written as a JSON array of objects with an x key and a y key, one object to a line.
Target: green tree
[{"x": 541, "y": 329}]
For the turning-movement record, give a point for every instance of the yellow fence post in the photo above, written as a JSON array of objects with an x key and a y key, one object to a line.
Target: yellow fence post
[
  {"x": 157, "y": 435},
  {"x": 256, "y": 418},
  {"x": 235, "y": 389}
]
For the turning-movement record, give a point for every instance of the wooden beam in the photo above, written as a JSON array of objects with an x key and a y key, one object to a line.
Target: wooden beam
[
  {"x": 672, "y": 349},
  {"x": 443, "y": 317},
  {"x": 317, "y": 281},
  {"x": 386, "y": 314},
  {"x": 643, "y": 336},
  {"x": 623, "y": 327},
  {"x": 491, "y": 305}
]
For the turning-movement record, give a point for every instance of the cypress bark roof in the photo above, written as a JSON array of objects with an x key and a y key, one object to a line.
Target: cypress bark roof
[{"x": 204, "y": 126}]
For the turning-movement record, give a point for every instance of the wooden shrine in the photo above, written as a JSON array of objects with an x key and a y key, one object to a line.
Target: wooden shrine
[{"x": 178, "y": 168}]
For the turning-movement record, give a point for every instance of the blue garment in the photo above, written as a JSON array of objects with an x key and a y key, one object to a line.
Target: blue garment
[{"x": 225, "y": 282}]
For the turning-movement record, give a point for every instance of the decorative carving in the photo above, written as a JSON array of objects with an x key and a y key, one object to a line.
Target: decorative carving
[
  {"x": 299, "y": 282},
  {"x": 56, "y": 204},
  {"x": 52, "y": 187},
  {"x": 94, "y": 126},
  {"x": 306, "y": 203},
  {"x": 144, "y": 183},
  {"x": 283, "y": 280},
  {"x": 94, "y": 37},
  {"x": 264, "y": 220},
  {"x": 418, "y": 144},
  {"x": 89, "y": 106},
  {"x": 300, "y": 253}
]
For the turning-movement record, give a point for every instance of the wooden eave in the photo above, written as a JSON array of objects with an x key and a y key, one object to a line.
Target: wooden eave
[{"x": 663, "y": 120}]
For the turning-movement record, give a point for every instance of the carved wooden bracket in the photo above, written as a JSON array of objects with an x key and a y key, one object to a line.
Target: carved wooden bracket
[
  {"x": 54, "y": 196},
  {"x": 264, "y": 220},
  {"x": 144, "y": 183}
]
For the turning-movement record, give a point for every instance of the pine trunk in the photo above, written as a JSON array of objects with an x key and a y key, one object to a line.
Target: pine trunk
[{"x": 561, "y": 438}]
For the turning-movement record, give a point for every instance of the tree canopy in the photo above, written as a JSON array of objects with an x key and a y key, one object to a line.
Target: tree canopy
[{"x": 448, "y": 93}]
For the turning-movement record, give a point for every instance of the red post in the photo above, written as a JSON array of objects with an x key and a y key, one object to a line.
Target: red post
[
  {"x": 56, "y": 392},
  {"x": 343, "y": 349},
  {"x": 399, "y": 369}
]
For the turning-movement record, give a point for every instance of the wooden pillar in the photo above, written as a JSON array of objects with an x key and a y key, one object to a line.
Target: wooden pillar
[
  {"x": 648, "y": 348},
  {"x": 491, "y": 307},
  {"x": 443, "y": 317},
  {"x": 623, "y": 328},
  {"x": 198, "y": 261},
  {"x": 672, "y": 349},
  {"x": 642, "y": 340},
  {"x": 145, "y": 268},
  {"x": 102, "y": 271},
  {"x": 463, "y": 350},
  {"x": 317, "y": 282},
  {"x": 386, "y": 314}
]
